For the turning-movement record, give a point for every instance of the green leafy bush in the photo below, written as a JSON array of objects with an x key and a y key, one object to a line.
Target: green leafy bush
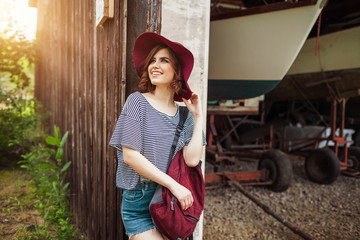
[
  {"x": 46, "y": 166},
  {"x": 20, "y": 126}
]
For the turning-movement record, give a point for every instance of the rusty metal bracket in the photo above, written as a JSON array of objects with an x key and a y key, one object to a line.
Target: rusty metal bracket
[{"x": 220, "y": 179}]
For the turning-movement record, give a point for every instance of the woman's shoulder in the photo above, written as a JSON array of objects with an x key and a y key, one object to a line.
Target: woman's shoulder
[
  {"x": 134, "y": 99},
  {"x": 135, "y": 96},
  {"x": 134, "y": 104}
]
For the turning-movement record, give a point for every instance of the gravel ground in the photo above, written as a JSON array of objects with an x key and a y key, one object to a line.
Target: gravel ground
[{"x": 323, "y": 211}]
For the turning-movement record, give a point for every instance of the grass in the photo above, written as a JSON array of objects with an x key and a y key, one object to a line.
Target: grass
[
  {"x": 33, "y": 199},
  {"x": 17, "y": 200}
]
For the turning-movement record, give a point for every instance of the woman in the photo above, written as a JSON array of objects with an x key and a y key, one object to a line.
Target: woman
[{"x": 146, "y": 127}]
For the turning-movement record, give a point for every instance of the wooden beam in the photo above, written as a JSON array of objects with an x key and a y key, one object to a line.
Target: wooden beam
[
  {"x": 231, "y": 13},
  {"x": 321, "y": 81},
  {"x": 352, "y": 93}
]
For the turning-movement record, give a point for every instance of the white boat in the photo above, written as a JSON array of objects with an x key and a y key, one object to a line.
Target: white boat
[
  {"x": 336, "y": 51},
  {"x": 249, "y": 55},
  {"x": 333, "y": 71}
]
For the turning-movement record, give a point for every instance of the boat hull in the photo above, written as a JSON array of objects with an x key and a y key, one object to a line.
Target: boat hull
[
  {"x": 253, "y": 53},
  {"x": 240, "y": 89},
  {"x": 334, "y": 71}
]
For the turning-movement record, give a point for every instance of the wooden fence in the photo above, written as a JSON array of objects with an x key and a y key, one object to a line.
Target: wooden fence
[{"x": 81, "y": 77}]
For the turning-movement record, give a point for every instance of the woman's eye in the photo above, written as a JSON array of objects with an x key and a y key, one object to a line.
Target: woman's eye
[{"x": 164, "y": 60}]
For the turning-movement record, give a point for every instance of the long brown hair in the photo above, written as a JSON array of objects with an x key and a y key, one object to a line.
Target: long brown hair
[{"x": 178, "y": 83}]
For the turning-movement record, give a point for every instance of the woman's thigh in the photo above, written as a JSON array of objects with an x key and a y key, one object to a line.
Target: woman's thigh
[{"x": 152, "y": 234}]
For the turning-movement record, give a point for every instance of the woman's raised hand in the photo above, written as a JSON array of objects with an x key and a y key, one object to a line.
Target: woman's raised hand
[{"x": 194, "y": 105}]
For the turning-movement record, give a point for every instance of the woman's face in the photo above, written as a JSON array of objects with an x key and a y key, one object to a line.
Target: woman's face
[{"x": 161, "y": 70}]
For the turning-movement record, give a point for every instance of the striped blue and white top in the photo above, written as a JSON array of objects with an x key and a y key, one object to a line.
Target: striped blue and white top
[{"x": 145, "y": 129}]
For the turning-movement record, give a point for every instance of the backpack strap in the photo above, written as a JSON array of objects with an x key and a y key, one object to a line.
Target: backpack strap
[{"x": 183, "y": 116}]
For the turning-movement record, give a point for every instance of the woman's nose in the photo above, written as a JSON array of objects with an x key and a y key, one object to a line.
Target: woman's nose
[{"x": 156, "y": 63}]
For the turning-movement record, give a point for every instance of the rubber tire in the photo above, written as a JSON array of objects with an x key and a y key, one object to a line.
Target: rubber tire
[
  {"x": 354, "y": 157},
  {"x": 280, "y": 169},
  {"x": 322, "y": 166}
]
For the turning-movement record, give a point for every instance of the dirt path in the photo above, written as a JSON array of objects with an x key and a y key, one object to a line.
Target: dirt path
[{"x": 17, "y": 211}]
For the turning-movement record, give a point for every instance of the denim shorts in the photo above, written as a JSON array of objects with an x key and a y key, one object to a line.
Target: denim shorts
[{"x": 135, "y": 208}]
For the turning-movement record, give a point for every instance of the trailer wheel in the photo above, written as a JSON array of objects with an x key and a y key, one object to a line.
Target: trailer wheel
[
  {"x": 354, "y": 158},
  {"x": 322, "y": 166},
  {"x": 279, "y": 167}
]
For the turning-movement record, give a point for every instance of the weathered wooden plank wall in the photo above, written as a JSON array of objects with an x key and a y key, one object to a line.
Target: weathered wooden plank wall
[
  {"x": 143, "y": 16},
  {"x": 81, "y": 77}
]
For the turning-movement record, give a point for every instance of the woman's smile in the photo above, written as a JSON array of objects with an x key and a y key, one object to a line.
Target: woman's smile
[{"x": 156, "y": 73}]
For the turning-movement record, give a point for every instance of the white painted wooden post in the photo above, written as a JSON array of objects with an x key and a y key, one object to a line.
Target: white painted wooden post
[{"x": 188, "y": 22}]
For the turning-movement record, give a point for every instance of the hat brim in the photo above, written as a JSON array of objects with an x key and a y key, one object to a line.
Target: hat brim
[{"x": 147, "y": 41}]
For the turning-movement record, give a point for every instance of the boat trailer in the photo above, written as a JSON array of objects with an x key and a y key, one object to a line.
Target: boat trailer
[
  {"x": 274, "y": 167},
  {"x": 322, "y": 165}
]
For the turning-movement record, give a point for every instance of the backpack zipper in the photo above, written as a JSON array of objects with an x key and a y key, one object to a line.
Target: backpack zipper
[
  {"x": 173, "y": 199},
  {"x": 191, "y": 218},
  {"x": 172, "y": 204}
]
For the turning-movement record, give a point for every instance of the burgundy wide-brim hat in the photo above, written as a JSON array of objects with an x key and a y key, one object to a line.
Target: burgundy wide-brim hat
[{"x": 147, "y": 41}]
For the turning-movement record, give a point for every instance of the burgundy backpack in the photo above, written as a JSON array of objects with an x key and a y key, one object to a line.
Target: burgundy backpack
[{"x": 165, "y": 210}]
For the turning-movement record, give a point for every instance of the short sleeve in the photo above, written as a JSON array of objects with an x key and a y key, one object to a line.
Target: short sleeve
[{"x": 128, "y": 131}]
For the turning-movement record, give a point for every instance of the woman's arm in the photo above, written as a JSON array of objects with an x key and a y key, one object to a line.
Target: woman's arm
[
  {"x": 193, "y": 151},
  {"x": 148, "y": 170}
]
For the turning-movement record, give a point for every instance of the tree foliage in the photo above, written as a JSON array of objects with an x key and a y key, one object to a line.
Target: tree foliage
[
  {"x": 19, "y": 122},
  {"x": 17, "y": 53}
]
